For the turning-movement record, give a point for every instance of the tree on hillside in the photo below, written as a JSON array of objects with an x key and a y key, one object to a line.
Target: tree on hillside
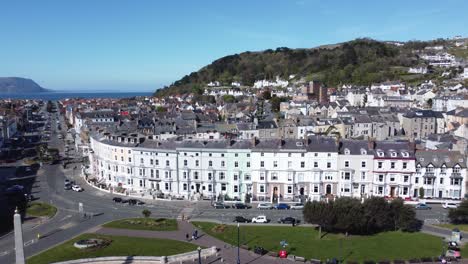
[
  {"x": 266, "y": 95},
  {"x": 227, "y": 98}
]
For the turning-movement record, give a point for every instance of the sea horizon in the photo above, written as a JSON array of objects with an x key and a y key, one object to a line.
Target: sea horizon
[{"x": 64, "y": 94}]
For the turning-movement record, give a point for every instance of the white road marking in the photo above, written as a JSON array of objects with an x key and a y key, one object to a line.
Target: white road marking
[
  {"x": 65, "y": 218},
  {"x": 4, "y": 253},
  {"x": 29, "y": 242}
]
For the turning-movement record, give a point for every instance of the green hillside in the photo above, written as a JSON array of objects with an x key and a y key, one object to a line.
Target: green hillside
[{"x": 361, "y": 61}]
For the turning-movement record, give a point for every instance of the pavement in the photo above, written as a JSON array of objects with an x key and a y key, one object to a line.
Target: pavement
[{"x": 227, "y": 253}]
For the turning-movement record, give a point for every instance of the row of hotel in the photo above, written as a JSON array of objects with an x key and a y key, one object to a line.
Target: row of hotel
[{"x": 274, "y": 170}]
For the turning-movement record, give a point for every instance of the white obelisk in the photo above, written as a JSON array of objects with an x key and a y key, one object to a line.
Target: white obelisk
[{"x": 19, "y": 246}]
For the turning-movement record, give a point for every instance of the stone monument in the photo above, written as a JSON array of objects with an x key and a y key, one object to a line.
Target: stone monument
[{"x": 19, "y": 246}]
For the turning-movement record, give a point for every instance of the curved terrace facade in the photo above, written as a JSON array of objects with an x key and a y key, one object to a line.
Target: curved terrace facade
[{"x": 273, "y": 170}]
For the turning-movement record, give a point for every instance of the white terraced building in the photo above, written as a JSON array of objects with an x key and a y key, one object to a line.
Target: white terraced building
[{"x": 271, "y": 170}]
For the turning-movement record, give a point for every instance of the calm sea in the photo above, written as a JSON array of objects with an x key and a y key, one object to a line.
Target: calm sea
[{"x": 64, "y": 95}]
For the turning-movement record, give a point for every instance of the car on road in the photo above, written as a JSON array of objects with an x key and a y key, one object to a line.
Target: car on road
[
  {"x": 260, "y": 219},
  {"x": 67, "y": 181},
  {"x": 281, "y": 206},
  {"x": 422, "y": 206},
  {"x": 77, "y": 188},
  {"x": 297, "y": 206},
  {"x": 219, "y": 205},
  {"x": 135, "y": 202},
  {"x": 68, "y": 186},
  {"x": 117, "y": 199},
  {"x": 450, "y": 205},
  {"x": 241, "y": 219},
  {"x": 241, "y": 206},
  {"x": 264, "y": 206},
  {"x": 288, "y": 220}
]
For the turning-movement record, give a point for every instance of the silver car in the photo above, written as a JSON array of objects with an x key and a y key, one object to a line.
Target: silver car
[
  {"x": 263, "y": 206},
  {"x": 297, "y": 206}
]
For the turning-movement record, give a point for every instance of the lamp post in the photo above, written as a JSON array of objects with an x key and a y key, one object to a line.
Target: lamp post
[
  {"x": 199, "y": 255},
  {"x": 238, "y": 243}
]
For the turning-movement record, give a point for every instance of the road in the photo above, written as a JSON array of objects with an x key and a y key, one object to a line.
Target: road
[{"x": 99, "y": 208}]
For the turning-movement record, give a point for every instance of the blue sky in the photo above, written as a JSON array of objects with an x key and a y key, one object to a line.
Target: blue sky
[{"x": 142, "y": 45}]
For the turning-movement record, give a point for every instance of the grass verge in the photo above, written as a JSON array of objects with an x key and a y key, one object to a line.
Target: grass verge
[
  {"x": 150, "y": 224},
  {"x": 38, "y": 209},
  {"x": 303, "y": 241},
  {"x": 120, "y": 246}
]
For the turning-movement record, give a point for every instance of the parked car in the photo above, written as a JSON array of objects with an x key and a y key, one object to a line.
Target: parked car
[
  {"x": 68, "y": 186},
  {"x": 260, "y": 219},
  {"x": 260, "y": 251},
  {"x": 288, "y": 220},
  {"x": 67, "y": 181},
  {"x": 219, "y": 205},
  {"x": 422, "y": 206},
  {"x": 281, "y": 206},
  {"x": 117, "y": 199},
  {"x": 77, "y": 188},
  {"x": 264, "y": 206},
  {"x": 297, "y": 206},
  {"x": 241, "y": 206},
  {"x": 135, "y": 202},
  {"x": 15, "y": 188},
  {"x": 241, "y": 219},
  {"x": 450, "y": 205}
]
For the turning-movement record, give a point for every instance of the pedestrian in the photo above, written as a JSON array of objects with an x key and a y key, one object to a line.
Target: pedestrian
[
  {"x": 187, "y": 236},
  {"x": 196, "y": 234},
  {"x": 193, "y": 236}
]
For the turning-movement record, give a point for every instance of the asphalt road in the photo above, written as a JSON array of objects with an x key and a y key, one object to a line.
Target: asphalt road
[{"x": 69, "y": 222}]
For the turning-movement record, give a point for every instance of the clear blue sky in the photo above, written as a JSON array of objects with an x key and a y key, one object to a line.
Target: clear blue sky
[{"x": 142, "y": 45}]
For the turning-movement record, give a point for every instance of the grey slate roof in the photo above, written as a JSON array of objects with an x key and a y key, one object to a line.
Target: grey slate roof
[{"x": 439, "y": 158}]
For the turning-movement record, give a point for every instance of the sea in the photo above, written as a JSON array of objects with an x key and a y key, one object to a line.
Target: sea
[{"x": 64, "y": 95}]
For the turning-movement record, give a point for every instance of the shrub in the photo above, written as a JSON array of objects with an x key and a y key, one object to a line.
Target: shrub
[{"x": 146, "y": 213}]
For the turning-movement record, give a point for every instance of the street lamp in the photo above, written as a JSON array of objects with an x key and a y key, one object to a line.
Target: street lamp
[
  {"x": 238, "y": 243},
  {"x": 199, "y": 255}
]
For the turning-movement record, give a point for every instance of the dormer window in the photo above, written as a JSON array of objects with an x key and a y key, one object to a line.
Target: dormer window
[
  {"x": 380, "y": 153},
  {"x": 346, "y": 151},
  {"x": 363, "y": 152},
  {"x": 405, "y": 154},
  {"x": 393, "y": 154}
]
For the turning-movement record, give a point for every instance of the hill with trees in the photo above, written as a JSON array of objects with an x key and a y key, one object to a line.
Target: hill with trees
[{"x": 361, "y": 61}]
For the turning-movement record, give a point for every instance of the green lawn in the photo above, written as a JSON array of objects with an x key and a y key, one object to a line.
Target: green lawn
[
  {"x": 462, "y": 227},
  {"x": 38, "y": 209},
  {"x": 120, "y": 246},
  {"x": 303, "y": 241},
  {"x": 151, "y": 224}
]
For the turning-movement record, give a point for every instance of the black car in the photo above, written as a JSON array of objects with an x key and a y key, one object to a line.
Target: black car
[
  {"x": 220, "y": 205},
  {"x": 68, "y": 186},
  {"x": 241, "y": 206},
  {"x": 288, "y": 220},
  {"x": 117, "y": 199},
  {"x": 135, "y": 202},
  {"x": 241, "y": 219},
  {"x": 260, "y": 250}
]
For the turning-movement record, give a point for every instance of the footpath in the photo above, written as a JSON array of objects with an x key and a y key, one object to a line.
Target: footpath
[{"x": 227, "y": 252}]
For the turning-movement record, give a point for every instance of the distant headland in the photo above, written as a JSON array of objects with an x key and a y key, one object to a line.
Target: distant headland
[{"x": 18, "y": 85}]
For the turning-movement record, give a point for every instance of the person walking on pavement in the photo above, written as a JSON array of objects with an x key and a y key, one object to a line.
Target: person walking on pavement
[
  {"x": 187, "y": 236},
  {"x": 196, "y": 234}
]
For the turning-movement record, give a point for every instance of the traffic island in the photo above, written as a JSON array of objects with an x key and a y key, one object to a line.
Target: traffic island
[
  {"x": 150, "y": 224},
  {"x": 40, "y": 209}
]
